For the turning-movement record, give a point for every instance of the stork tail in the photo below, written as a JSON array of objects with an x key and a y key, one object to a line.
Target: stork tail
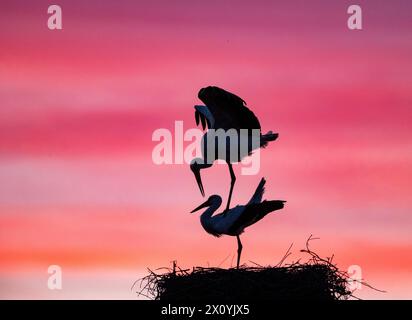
[{"x": 260, "y": 190}]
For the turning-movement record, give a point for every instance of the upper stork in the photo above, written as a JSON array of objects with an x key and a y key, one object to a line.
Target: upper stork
[{"x": 225, "y": 110}]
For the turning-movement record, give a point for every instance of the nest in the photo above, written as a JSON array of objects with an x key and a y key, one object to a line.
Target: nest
[{"x": 315, "y": 279}]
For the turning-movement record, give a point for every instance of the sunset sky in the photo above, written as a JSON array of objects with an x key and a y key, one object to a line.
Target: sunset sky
[{"x": 78, "y": 107}]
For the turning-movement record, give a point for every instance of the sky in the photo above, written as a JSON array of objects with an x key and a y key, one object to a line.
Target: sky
[{"x": 78, "y": 108}]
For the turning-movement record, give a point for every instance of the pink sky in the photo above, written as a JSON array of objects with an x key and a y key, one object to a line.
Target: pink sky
[{"x": 79, "y": 106}]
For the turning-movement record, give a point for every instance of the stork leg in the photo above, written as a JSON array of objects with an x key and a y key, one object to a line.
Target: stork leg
[
  {"x": 232, "y": 184},
  {"x": 239, "y": 251}
]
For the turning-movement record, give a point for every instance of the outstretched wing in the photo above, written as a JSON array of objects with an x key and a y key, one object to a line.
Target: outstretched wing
[
  {"x": 228, "y": 110},
  {"x": 254, "y": 212}
]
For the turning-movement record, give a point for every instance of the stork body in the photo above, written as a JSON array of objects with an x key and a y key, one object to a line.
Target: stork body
[
  {"x": 232, "y": 222},
  {"x": 226, "y": 111}
]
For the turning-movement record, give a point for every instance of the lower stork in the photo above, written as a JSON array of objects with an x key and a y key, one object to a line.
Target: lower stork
[{"x": 232, "y": 222}]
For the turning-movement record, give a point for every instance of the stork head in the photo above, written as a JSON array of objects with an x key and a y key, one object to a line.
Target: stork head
[
  {"x": 213, "y": 200},
  {"x": 195, "y": 166}
]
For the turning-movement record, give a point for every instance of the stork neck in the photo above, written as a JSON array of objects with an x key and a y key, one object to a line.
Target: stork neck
[{"x": 209, "y": 212}]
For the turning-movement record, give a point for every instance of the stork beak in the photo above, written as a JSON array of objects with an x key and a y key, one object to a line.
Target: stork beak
[
  {"x": 199, "y": 181},
  {"x": 203, "y": 205}
]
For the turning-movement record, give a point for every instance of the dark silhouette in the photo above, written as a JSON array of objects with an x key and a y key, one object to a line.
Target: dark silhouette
[
  {"x": 315, "y": 279},
  {"x": 225, "y": 110},
  {"x": 233, "y": 221}
]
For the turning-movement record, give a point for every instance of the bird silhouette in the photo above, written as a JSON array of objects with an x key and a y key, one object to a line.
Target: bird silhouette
[
  {"x": 233, "y": 221},
  {"x": 226, "y": 111}
]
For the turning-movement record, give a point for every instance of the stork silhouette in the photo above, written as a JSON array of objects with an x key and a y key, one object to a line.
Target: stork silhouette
[
  {"x": 233, "y": 221},
  {"x": 225, "y": 110}
]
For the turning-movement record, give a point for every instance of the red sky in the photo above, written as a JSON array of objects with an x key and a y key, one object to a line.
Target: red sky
[{"x": 79, "y": 106}]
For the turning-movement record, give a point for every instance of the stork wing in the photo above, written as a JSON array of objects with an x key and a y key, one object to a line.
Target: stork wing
[
  {"x": 255, "y": 212},
  {"x": 224, "y": 221},
  {"x": 229, "y": 110},
  {"x": 204, "y": 115}
]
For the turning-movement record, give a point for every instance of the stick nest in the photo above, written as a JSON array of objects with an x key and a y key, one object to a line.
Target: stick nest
[{"x": 315, "y": 279}]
